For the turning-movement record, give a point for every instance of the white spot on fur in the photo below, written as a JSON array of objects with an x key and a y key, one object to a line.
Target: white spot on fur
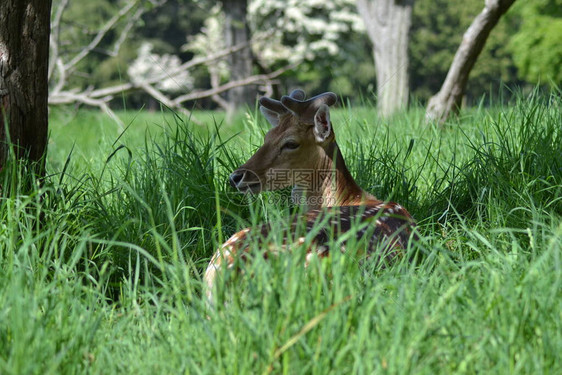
[
  {"x": 322, "y": 249},
  {"x": 372, "y": 211}
]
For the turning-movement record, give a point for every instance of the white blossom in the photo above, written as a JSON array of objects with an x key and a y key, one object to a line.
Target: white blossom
[
  {"x": 148, "y": 65},
  {"x": 317, "y": 24},
  {"x": 210, "y": 41},
  {"x": 283, "y": 30}
]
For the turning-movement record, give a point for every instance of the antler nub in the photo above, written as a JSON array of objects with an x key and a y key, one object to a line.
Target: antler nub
[
  {"x": 296, "y": 103},
  {"x": 273, "y": 105},
  {"x": 307, "y": 108},
  {"x": 297, "y": 94}
]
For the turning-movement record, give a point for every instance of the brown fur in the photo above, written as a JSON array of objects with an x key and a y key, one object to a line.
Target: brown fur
[{"x": 336, "y": 199}]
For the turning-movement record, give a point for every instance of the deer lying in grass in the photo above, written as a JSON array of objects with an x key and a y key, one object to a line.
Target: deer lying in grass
[{"x": 301, "y": 151}]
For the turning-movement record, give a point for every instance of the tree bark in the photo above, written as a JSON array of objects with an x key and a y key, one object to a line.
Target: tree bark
[
  {"x": 388, "y": 25},
  {"x": 240, "y": 62},
  {"x": 24, "y": 58},
  {"x": 448, "y": 100}
]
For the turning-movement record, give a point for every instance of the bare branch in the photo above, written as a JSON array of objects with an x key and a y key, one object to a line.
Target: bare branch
[
  {"x": 205, "y": 59},
  {"x": 68, "y": 97},
  {"x": 255, "y": 79},
  {"x": 61, "y": 81},
  {"x": 215, "y": 82},
  {"x": 55, "y": 34},
  {"x": 125, "y": 33},
  {"x": 156, "y": 94},
  {"x": 101, "y": 33},
  {"x": 112, "y": 90}
]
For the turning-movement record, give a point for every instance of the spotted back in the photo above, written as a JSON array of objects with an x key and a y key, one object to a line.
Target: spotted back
[{"x": 382, "y": 230}]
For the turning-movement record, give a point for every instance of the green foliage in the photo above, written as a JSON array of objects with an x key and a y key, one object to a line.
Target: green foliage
[
  {"x": 536, "y": 47},
  {"x": 100, "y": 264}
]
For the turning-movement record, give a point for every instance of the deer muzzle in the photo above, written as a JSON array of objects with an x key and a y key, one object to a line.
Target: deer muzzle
[{"x": 245, "y": 180}]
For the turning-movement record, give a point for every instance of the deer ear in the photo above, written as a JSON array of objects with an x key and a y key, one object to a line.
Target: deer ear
[
  {"x": 322, "y": 124},
  {"x": 272, "y": 117}
]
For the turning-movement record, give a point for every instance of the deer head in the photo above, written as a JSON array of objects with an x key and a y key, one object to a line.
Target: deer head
[{"x": 300, "y": 139}]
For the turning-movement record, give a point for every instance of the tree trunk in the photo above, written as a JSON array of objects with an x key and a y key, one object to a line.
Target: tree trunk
[
  {"x": 388, "y": 24},
  {"x": 240, "y": 62},
  {"x": 24, "y": 57},
  {"x": 448, "y": 100}
]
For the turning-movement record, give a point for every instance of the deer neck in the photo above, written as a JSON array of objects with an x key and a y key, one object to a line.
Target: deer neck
[{"x": 332, "y": 184}]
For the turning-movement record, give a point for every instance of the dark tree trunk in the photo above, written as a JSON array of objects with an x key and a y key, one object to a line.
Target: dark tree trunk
[
  {"x": 388, "y": 25},
  {"x": 448, "y": 100},
  {"x": 24, "y": 57},
  {"x": 240, "y": 62}
]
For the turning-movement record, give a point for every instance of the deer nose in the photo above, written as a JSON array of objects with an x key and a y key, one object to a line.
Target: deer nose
[{"x": 235, "y": 178}]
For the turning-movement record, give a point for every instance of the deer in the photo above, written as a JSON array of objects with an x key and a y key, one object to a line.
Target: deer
[{"x": 300, "y": 150}]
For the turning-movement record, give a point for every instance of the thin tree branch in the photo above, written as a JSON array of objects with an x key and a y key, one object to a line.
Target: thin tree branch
[
  {"x": 112, "y": 90},
  {"x": 215, "y": 82},
  {"x": 158, "y": 95},
  {"x": 61, "y": 79},
  {"x": 255, "y": 79},
  {"x": 125, "y": 33},
  {"x": 55, "y": 36},
  {"x": 210, "y": 58},
  {"x": 101, "y": 34},
  {"x": 68, "y": 97}
]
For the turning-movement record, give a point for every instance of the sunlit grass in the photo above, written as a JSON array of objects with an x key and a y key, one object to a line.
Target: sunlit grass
[{"x": 100, "y": 264}]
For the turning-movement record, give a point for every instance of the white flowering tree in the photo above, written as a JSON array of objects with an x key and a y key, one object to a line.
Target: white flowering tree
[
  {"x": 165, "y": 77},
  {"x": 280, "y": 35},
  {"x": 149, "y": 64},
  {"x": 304, "y": 30}
]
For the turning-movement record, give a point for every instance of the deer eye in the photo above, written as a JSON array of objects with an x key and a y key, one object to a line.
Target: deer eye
[{"x": 290, "y": 145}]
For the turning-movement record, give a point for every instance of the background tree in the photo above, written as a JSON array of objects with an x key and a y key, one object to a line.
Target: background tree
[
  {"x": 448, "y": 100},
  {"x": 326, "y": 39},
  {"x": 236, "y": 31},
  {"x": 437, "y": 30},
  {"x": 24, "y": 56},
  {"x": 388, "y": 25}
]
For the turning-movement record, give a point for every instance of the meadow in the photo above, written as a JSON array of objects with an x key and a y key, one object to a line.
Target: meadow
[{"x": 101, "y": 262}]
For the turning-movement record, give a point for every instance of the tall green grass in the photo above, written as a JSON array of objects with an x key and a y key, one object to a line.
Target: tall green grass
[{"x": 100, "y": 263}]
